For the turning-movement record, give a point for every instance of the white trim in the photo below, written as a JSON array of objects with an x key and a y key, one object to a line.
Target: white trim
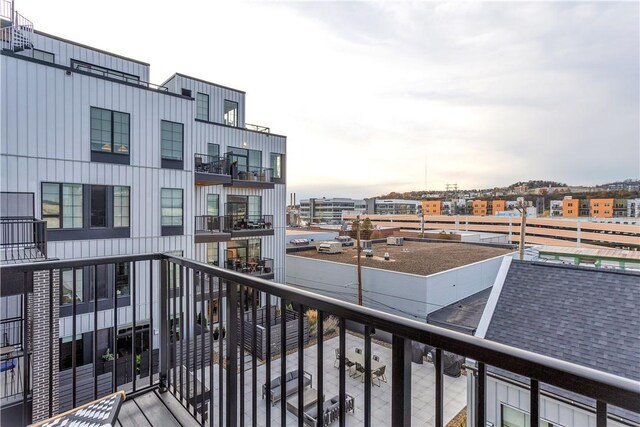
[{"x": 487, "y": 314}]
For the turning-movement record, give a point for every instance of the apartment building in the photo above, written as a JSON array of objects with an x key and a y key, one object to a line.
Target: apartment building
[
  {"x": 480, "y": 207},
  {"x": 571, "y": 208},
  {"x": 633, "y": 208},
  {"x": 498, "y": 206},
  {"x": 555, "y": 208},
  {"x": 116, "y": 165},
  {"x": 329, "y": 210},
  {"x": 600, "y": 208},
  {"x": 433, "y": 207}
]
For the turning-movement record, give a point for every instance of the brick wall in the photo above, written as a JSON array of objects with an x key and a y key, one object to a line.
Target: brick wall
[{"x": 42, "y": 359}]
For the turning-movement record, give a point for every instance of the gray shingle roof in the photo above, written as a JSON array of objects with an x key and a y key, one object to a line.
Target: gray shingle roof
[
  {"x": 463, "y": 315},
  {"x": 583, "y": 315}
]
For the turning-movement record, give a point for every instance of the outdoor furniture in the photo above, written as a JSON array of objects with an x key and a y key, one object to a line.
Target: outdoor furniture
[
  {"x": 290, "y": 385},
  {"x": 376, "y": 357},
  {"x": 309, "y": 398},
  {"x": 331, "y": 411},
  {"x": 348, "y": 362},
  {"x": 378, "y": 374},
  {"x": 358, "y": 370},
  {"x": 358, "y": 350},
  {"x": 358, "y": 358}
]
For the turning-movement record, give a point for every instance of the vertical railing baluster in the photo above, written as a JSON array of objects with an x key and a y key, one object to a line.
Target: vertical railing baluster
[
  {"x": 179, "y": 288},
  {"x": 194, "y": 283},
  {"x": 481, "y": 393},
  {"x": 187, "y": 337},
  {"x": 267, "y": 346},
  {"x": 163, "y": 314},
  {"x": 254, "y": 361},
  {"x": 232, "y": 355},
  {"x": 73, "y": 339},
  {"x": 132, "y": 287},
  {"x": 367, "y": 373},
  {"x": 242, "y": 297},
  {"x": 320, "y": 373},
  {"x": 221, "y": 392},
  {"x": 203, "y": 317},
  {"x": 151, "y": 321},
  {"x": 174, "y": 333},
  {"x": 534, "y": 396},
  {"x": 283, "y": 358},
  {"x": 300, "y": 364},
  {"x": 439, "y": 388},
  {"x": 210, "y": 355},
  {"x": 95, "y": 332},
  {"x": 342, "y": 392},
  {"x": 601, "y": 414},
  {"x": 401, "y": 381}
]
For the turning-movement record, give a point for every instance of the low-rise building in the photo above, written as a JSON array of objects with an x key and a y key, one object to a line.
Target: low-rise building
[
  {"x": 633, "y": 208},
  {"x": 570, "y": 207},
  {"x": 434, "y": 207},
  {"x": 316, "y": 210},
  {"x": 600, "y": 208},
  {"x": 479, "y": 207},
  {"x": 393, "y": 206},
  {"x": 555, "y": 208}
]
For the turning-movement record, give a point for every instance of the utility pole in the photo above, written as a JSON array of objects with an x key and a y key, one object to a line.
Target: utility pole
[
  {"x": 358, "y": 251},
  {"x": 523, "y": 228}
]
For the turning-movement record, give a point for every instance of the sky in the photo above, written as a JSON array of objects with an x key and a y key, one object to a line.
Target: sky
[{"x": 379, "y": 97}]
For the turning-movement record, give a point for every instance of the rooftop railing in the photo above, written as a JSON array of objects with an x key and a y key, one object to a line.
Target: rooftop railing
[
  {"x": 257, "y": 128},
  {"x": 164, "y": 294}
]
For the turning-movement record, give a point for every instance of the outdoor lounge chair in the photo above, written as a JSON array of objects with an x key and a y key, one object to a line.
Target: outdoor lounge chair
[{"x": 290, "y": 386}]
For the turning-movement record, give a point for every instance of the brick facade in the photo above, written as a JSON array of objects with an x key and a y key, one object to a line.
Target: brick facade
[{"x": 41, "y": 358}]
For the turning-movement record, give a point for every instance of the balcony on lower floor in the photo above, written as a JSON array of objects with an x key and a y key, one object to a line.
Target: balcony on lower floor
[
  {"x": 208, "y": 229},
  {"x": 251, "y": 177},
  {"x": 248, "y": 225},
  {"x": 219, "y": 360},
  {"x": 259, "y": 267},
  {"x": 211, "y": 170}
]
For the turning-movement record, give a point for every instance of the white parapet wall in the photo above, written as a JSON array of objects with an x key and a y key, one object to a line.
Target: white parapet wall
[{"x": 408, "y": 295}]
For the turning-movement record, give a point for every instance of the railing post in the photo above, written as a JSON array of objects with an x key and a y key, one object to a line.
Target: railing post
[
  {"x": 401, "y": 381},
  {"x": 164, "y": 325},
  {"x": 232, "y": 354}
]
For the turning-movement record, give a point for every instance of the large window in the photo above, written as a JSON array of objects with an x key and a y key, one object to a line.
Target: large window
[
  {"x": 277, "y": 165},
  {"x": 43, "y": 56},
  {"x": 230, "y": 113},
  {"x": 202, "y": 106},
  {"x": 245, "y": 160},
  {"x": 67, "y": 290},
  {"x": 62, "y": 205},
  {"x": 109, "y": 131},
  {"x": 213, "y": 204},
  {"x": 171, "y": 214},
  {"x": 213, "y": 150},
  {"x": 66, "y": 351},
  {"x": 212, "y": 253},
  {"x": 122, "y": 279},
  {"x": 171, "y": 140},
  {"x": 120, "y": 206}
]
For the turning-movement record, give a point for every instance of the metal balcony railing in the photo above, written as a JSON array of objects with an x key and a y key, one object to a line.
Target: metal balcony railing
[
  {"x": 204, "y": 163},
  {"x": 208, "y": 224},
  {"x": 257, "y": 128},
  {"x": 22, "y": 239},
  {"x": 205, "y": 369},
  {"x": 247, "y": 222},
  {"x": 249, "y": 265},
  {"x": 253, "y": 173}
]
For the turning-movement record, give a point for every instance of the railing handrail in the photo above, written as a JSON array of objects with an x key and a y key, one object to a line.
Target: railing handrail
[
  {"x": 612, "y": 389},
  {"x": 109, "y": 74}
]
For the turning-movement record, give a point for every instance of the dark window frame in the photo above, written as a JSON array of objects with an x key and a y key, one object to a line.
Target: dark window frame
[
  {"x": 53, "y": 56},
  {"x": 200, "y": 98},
  {"x": 172, "y": 230},
  {"x": 111, "y": 156},
  {"x": 167, "y": 162},
  {"x": 225, "y": 112},
  {"x": 283, "y": 176}
]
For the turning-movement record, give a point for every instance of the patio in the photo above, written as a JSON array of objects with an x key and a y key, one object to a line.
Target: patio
[{"x": 423, "y": 383}]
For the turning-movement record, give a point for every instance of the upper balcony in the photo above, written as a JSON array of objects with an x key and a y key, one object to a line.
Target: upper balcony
[
  {"x": 208, "y": 229},
  {"x": 210, "y": 170},
  {"x": 248, "y": 225},
  {"x": 22, "y": 240},
  {"x": 197, "y": 374}
]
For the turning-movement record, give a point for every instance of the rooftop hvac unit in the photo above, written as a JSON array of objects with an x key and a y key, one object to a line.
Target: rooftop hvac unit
[
  {"x": 366, "y": 244},
  {"x": 397, "y": 241},
  {"x": 330, "y": 248}
]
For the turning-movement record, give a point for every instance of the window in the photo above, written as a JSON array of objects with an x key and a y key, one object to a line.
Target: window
[
  {"x": 66, "y": 351},
  {"x": 202, "y": 106},
  {"x": 230, "y": 113},
  {"x": 512, "y": 417},
  {"x": 43, "y": 56},
  {"x": 98, "y": 206},
  {"x": 255, "y": 207},
  {"x": 171, "y": 140},
  {"x": 69, "y": 215},
  {"x": 245, "y": 160},
  {"x": 67, "y": 291},
  {"x": 122, "y": 278},
  {"x": 120, "y": 206},
  {"x": 277, "y": 166},
  {"x": 171, "y": 213},
  {"x": 109, "y": 131},
  {"x": 178, "y": 280},
  {"x": 213, "y": 204},
  {"x": 213, "y": 150},
  {"x": 212, "y": 253}
]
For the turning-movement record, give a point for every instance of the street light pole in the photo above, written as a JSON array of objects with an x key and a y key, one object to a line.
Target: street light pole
[{"x": 358, "y": 251}]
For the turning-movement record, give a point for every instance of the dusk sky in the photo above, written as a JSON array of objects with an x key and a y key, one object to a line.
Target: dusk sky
[{"x": 373, "y": 95}]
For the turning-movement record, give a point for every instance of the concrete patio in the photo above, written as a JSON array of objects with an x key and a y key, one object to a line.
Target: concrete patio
[{"x": 423, "y": 387}]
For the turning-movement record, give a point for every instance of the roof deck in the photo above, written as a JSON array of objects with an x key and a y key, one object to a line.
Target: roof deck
[{"x": 414, "y": 257}]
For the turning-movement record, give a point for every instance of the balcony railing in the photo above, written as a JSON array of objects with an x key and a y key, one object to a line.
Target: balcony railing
[
  {"x": 247, "y": 222},
  {"x": 253, "y": 173},
  {"x": 208, "y": 224},
  {"x": 22, "y": 239},
  {"x": 190, "y": 354},
  {"x": 204, "y": 163},
  {"x": 257, "y": 128}
]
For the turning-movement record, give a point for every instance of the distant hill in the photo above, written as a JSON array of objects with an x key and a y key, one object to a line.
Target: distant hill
[{"x": 537, "y": 183}]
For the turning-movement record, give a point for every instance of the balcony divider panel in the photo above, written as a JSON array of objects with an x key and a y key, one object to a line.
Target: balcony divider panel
[
  {"x": 534, "y": 402},
  {"x": 242, "y": 333},
  {"x": 134, "y": 334},
  {"x": 342, "y": 394},
  {"x": 439, "y": 388},
  {"x": 202, "y": 346}
]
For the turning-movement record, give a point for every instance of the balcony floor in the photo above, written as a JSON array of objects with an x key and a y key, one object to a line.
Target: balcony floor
[{"x": 154, "y": 409}]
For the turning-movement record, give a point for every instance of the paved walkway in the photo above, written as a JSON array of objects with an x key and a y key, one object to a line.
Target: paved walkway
[{"x": 422, "y": 386}]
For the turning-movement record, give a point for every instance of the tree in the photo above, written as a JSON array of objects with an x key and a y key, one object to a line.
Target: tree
[{"x": 366, "y": 229}]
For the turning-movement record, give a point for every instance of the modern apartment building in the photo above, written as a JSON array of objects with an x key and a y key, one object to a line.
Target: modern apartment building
[
  {"x": 432, "y": 207},
  {"x": 325, "y": 210},
  {"x": 570, "y": 208},
  {"x": 480, "y": 207},
  {"x": 116, "y": 165},
  {"x": 633, "y": 208},
  {"x": 601, "y": 208},
  {"x": 555, "y": 208}
]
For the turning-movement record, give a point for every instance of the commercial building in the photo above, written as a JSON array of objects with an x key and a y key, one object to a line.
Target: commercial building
[
  {"x": 393, "y": 206},
  {"x": 316, "y": 210}
]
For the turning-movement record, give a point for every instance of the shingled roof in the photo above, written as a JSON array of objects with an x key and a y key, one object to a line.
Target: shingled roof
[{"x": 583, "y": 315}]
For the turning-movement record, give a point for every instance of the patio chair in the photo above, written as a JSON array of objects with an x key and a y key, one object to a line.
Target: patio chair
[
  {"x": 378, "y": 374},
  {"x": 358, "y": 371},
  {"x": 336, "y": 363},
  {"x": 198, "y": 165},
  {"x": 358, "y": 350},
  {"x": 376, "y": 357}
]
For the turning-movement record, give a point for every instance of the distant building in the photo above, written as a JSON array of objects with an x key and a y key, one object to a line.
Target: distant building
[
  {"x": 480, "y": 207},
  {"x": 555, "y": 208},
  {"x": 570, "y": 207},
  {"x": 393, "y": 206},
  {"x": 633, "y": 208},
  {"x": 329, "y": 210},
  {"x": 435, "y": 207},
  {"x": 601, "y": 208}
]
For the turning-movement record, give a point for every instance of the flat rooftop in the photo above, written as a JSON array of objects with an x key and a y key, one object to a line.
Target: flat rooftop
[{"x": 420, "y": 258}]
